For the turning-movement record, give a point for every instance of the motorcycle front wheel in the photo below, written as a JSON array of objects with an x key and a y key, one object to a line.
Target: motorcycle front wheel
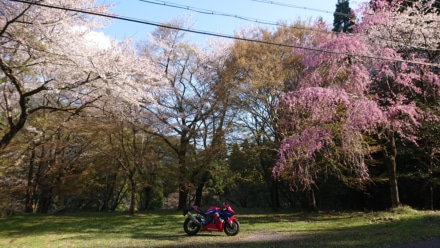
[
  {"x": 232, "y": 229},
  {"x": 190, "y": 227}
]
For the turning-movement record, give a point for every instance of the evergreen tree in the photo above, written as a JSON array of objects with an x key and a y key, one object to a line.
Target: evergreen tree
[{"x": 343, "y": 17}]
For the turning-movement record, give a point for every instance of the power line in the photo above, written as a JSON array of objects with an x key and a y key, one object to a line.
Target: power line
[
  {"x": 343, "y": 14},
  {"x": 218, "y": 35},
  {"x": 301, "y": 7},
  {"x": 319, "y": 10},
  {"x": 259, "y": 21},
  {"x": 212, "y": 12}
]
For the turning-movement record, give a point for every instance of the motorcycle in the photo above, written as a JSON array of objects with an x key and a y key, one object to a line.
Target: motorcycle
[{"x": 214, "y": 219}]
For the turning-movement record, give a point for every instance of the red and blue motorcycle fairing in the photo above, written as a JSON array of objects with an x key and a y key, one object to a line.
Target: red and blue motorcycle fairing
[{"x": 214, "y": 219}]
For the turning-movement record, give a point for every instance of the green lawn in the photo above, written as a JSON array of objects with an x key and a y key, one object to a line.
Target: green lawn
[{"x": 259, "y": 228}]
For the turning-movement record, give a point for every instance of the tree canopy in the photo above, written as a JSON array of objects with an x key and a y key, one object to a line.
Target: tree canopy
[{"x": 300, "y": 115}]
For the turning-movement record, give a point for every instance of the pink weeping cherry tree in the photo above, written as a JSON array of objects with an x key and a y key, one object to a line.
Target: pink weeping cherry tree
[
  {"x": 326, "y": 115},
  {"x": 365, "y": 83}
]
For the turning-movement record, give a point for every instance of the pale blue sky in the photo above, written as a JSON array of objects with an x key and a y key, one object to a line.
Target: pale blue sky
[{"x": 142, "y": 10}]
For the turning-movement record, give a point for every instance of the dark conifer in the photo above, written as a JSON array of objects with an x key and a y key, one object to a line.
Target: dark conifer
[{"x": 343, "y": 17}]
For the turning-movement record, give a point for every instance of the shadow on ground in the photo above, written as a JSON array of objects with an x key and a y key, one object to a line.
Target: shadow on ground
[{"x": 257, "y": 230}]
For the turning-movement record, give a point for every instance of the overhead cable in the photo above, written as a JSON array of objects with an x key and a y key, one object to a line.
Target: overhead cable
[
  {"x": 220, "y": 35},
  {"x": 301, "y": 7},
  {"x": 212, "y": 12},
  {"x": 209, "y": 12},
  {"x": 259, "y": 21},
  {"x": 318, "y": 10}
]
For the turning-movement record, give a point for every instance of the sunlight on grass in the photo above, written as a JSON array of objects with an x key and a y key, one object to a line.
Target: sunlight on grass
[{"x": 259, "y": 228}]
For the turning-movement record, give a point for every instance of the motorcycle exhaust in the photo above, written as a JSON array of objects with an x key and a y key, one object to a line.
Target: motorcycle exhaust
[{"x": 194, "y": 219}]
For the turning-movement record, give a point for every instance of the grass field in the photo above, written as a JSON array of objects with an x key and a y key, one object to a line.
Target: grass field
[{"x": 259, "y": 228}]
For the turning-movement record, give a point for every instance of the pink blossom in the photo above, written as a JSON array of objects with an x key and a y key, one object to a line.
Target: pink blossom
[{"x": 342, "y": 97}]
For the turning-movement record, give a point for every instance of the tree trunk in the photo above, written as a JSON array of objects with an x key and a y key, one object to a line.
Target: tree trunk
[
  {"x": 61, "y": 203},
  {"x": 107, "y": 194},
  {"x": 183, "y": 195},
  {"x": 148, "y": 195},
  {"x": 13, "y": 128},
  {"x": 431, "y": 196},
  {"x": 430, "y": 181},
  {"x": 199, "y": 193},
  {"x": 117, "y": 197},
  {"x": 45, "y": 200},
  {"x": 131, "y": 209},
  {"x": 29, "y": 203},
  {"x": 274, "y": 196},
  {"x": 390, "y": 153},
  {"x": 111, "y": 195},
  {"x": 183, "y": 185},
  {"x": 311, "y": 201}
]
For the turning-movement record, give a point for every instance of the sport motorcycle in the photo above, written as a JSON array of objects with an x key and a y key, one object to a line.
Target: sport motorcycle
[{"x": 214, "y": 219}]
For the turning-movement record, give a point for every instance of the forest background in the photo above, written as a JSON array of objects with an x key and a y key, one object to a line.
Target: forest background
[{"x": 301, "y": 115}]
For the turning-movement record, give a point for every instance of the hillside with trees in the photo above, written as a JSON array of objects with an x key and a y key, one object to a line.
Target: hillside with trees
[{"x": 300, "y": 116}]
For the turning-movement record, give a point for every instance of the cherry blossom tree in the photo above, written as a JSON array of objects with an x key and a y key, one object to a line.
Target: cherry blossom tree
[
  {"x": 406, "y": 87},
  {"x": 49, "y": 60},
  {"x": 346, "y": 94},
  {"x": 189, "y": 111},
  {"x": 325, "y": 116}
]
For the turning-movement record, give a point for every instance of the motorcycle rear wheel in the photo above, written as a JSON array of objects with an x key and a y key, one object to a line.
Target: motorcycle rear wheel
[
  {"x": 232, "y": 230},
  {"x": 190, "y": 227}
]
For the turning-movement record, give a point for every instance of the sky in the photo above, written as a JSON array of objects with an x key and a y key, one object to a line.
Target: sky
[{"x": 260, "y": 10}]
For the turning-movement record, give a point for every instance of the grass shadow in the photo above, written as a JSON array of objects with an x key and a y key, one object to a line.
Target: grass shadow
[{"x": 165, "y": 229}]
